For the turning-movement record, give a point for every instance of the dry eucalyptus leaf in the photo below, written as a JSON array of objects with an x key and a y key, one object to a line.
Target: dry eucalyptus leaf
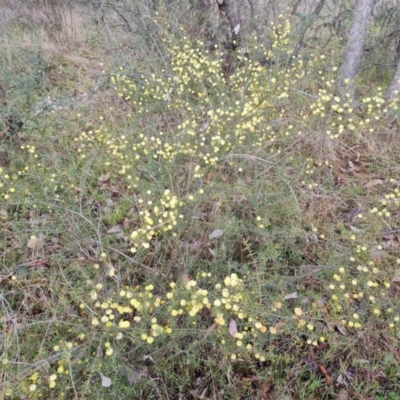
[
  {"x": 233, "y": 328},
  {"x": 374, "y": 182},
  {"x": 134, "y": 377},
  {"x": 340, "y": 380},
  {"x": 216, "y": 234},
  {"x": 115, "y": 229},
  {"x": 185, "y": 279},
  {"x": 263, "y": 392},
  {"x": 105, "y": 380},
  {"x": 291, "y": 296},
  {"x": 351, "y": 374},
  {"x": 35, "y": 243},
  {"x": 149, "y": 358},
  {"x": 104, "y": 178},
  {"x": 396, "y": 278},
  {"x": 320, "y": 303},
  {"x": 99, "y": 352},
  {"x": 206, "y": 125},
  {"x": 199, "y": 244},
  {"x": 343, "y": 395},
  {"x": 342, "y": 329},
  {"x": 305, "y": 300},
  {"x": 280, "y": 327},
  {"x": 203, "y": 394},
  {"x": 312, "y": 364},
  {"x": 377, "y": 254},
  {"x": 210, "y": 329}
]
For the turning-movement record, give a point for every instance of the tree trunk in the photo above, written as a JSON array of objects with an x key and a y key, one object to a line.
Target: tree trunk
[
  {"x": 279, "y": 8},
  {"x": 203, "y": 22},
  {"x": 229, "y": 62},
  {"x": 394, "y": 85},
  {"x": 355, "y": 45}
]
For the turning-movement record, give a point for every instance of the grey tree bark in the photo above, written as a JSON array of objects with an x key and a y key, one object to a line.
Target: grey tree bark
[
  {"x": 394, "y": 88},
  {"x": 229, "y": 62},
  {"x": 279, "y": 8},
  {"x": 204, "y": 21},
  {"x": 355, "y": 45}
]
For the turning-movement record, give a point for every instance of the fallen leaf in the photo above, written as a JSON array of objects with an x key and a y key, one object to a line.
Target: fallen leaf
[
  {"x": 105, "y": 380},
  {"x": 210, "y": 329},
  {"x": 99, "y": 352},
  {"x": 233, "y": 328},
  {"x": 199, "y": 244},
  {"x": 263, "y": 392},
  {"x": 388, "y": 345},
  {"x": 340, "y": 380},
  {"x": 115, "y": 229},
  {"x": 216, "y": 234},
  {"x": 203, "y": 394},
  {"x": 351, "y": 215},
  {"x": 343, "y": 395},
  {"x": 37, "y": 263},
  {"x": 149, "y": 359},
  {"x": 326, "y": 375},
  {"x": 347, "y": 377},
  {"x": 311, "y": 362},
  {"x": 374, "y": 182},
  {"x": 219, "y": 396},
  {"x": 377, "y": 254},
  {"x": 185, "y": 279},
  {"x": 237, "y": 29},
  {"x": 341, "y": 329},
  {"x": 280, "y": 327},
  {"x": 134, "y": 377},
  {"x": 351, "y": 374},
  {"x": 104, "y": 178},
  {"x": 200, "y": 381},
  {"x": 351, "y": 164},
  {"x": 320, "y": 303},
  {"x": 291, "y": 296},
  {"x": 35, "y": 243},
  {"x": 205, "y": 125}
]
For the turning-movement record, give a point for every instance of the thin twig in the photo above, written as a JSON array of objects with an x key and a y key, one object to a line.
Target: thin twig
[
  {"x": 294, "y": 196},
  {"x": 92, "y": 224},
  {"x": 305, "y": 93},
  {"x": 72, "y": 380},
  {"x": 133, "y": 261},
  {"x": 248, "y": 156}
]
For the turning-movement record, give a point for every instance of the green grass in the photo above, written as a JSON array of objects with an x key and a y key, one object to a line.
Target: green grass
[{"x": 187, "y": 237}]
